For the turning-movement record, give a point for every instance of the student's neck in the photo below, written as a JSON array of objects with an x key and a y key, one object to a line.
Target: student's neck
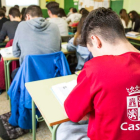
[
  {"x": 118, "y": 48},
  {"x": 123, "y": 47},
  {"x": 16, "y": 19},
  {"x": 54, "y": 16}
]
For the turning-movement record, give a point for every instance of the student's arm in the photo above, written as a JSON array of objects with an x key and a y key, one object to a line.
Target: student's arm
[
  {"x": 79, "y": 102},
  {"x": 70, "y": 46},
  {"x": 68, "y": 18},
  {"x": 3, "y": 33},
  {"x": 137, "y": 26},
  {"x": 16, "y": 48}
]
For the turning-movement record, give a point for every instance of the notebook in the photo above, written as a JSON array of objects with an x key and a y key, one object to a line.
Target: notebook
[
  {"x": 64, "y": 46},
  {"x": 133, "y": 34},
  {"x": 7, "y": 52},
  {"x": 61, "y": 91}
]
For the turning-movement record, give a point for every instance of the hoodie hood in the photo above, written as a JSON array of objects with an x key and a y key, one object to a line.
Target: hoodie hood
[{"x": 38, "y": 24}]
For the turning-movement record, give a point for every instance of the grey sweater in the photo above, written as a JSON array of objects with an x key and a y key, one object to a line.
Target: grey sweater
[{"x": 36, "y": 36}]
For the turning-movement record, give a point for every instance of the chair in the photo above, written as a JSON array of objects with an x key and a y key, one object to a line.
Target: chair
[
  {"x": 13, "y": 66},
  {"x": 34, "y": 67},
  {"x": 66, "y": 38}
]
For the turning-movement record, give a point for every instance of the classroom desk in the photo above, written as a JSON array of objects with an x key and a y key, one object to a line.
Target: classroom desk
[
  {"x": 1, "y": 48},
  {"x": 6, "y": 40},
  {"x": 8, "y": 60},
  {"x": 50, "y": 108},
  {"x": 134, "y": 38}
]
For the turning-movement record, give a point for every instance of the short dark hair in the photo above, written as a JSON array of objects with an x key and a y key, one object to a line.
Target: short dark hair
[
  {"x": 53, "y": 7},
  {"x": 104, "y": 23},
  {"x": 74, "y": 10},
  {"x": 4, "y": 8},
  {"x": 61, "y": 13},
  {"x": 34, "y": 11},
  {"x": 2, "y": 13},
  {"x": 16, "y": 6},
  {"x": 14, "y": 12}
]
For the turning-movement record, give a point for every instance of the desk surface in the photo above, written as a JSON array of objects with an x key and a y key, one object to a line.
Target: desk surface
[
  {"x": 10, "y": 58},
  {"x": 46, "y": 102},
  {"x": 6, "y": 40},
  {"x": 134, "y": 38},
  {"x": 16, "y": 58}
]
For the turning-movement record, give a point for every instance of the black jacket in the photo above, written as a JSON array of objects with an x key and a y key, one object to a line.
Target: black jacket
[
  {"x": 137, "y": 25},
  {"x": 3, "y": 20}
]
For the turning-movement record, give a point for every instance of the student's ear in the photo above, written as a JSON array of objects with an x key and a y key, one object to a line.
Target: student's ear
[
  {"x": 28, "y": 17},
  {"x": 96, "y": 42},
  {"x": 49, "y": 13},
  {"x": 10, "y": 16}
]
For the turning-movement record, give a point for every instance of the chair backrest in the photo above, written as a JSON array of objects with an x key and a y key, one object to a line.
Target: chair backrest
[
  {"x": 38, "y": 67},
  {"x": 66, "y": 38}
]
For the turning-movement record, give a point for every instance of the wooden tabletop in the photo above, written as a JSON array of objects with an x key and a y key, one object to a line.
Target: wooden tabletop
[
  {"x": 134, "y": 38},
  {"x": 1, "y": 48},
  {"x": 16, "y": 58},
  {"x": 6, "y": 40},
  {"x": 50, "y": 108},
  {"x": 10, "y": 58}
]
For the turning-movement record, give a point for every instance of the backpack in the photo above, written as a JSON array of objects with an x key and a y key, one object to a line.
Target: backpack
[{"x": 7, "y": 131}]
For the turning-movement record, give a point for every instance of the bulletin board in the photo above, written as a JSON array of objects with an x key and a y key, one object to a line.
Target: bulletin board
[
  {"x": 93, "y": 4},
  {"x": 47, "y": 1}
]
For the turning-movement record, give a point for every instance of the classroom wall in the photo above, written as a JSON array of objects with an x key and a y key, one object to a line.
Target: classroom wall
[
  {"x": 43, "y": 4},
  {"x": 116, "y": 5},
  {"x": 132, "y": 5},
  {"x": 61, "y": 2}
]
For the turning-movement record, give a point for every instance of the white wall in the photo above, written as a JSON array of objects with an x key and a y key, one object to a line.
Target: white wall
[{"x": 8, "y": 7}]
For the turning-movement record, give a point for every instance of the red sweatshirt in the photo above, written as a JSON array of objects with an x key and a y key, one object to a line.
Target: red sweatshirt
[{"x": 109, "y": 89}]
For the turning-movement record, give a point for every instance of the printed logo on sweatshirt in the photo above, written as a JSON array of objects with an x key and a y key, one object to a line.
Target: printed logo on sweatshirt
[
  {"x": 133, "y": 109},
  {"x": 133, "y": 104}
]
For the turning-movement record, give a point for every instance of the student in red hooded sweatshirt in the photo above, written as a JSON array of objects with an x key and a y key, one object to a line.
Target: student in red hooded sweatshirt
[{"x": 108, "y": 88}]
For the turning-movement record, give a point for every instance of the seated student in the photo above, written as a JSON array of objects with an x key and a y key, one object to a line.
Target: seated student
[
  {"x": 70, "y": 11},
  {"x": 22, "y": 14},
  {"x": 74, "y": 17},
  {"x": 108, "y": 88},
  {"x": 62, "y": 13},
  {"x": 53, "y": 10},
  {"x": 74, "y": 45},
  {"x": 16, "y": 6},
  {"x": 83, "y": 11},
  {"x": 35, "y": 35},
  {"x": 135, "y": 17},
  {"x": 4, "y": 8},
  {"x": 9, "y": 27},
  {"x": 3, "y": 19},
  {"x": 127, "y": 23}
]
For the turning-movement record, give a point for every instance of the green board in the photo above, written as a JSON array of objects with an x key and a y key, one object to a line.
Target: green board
[
  {"x": 45, "y": 13},
  {"x": 116, "y": 5},
  {"x": 68, "y": 4}
]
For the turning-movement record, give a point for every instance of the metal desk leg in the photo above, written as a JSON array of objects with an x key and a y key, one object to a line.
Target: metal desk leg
[
  {"x": 67, "y": 56},
  {"x": 8, "y": 78},
  {"x": 8, "y": 73},
  {"x": 52, "y": 129},
  {"x": 54, "y": 132},
  {"x": 33, "y": 121},
  {"x": 5, "y": 72}
]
